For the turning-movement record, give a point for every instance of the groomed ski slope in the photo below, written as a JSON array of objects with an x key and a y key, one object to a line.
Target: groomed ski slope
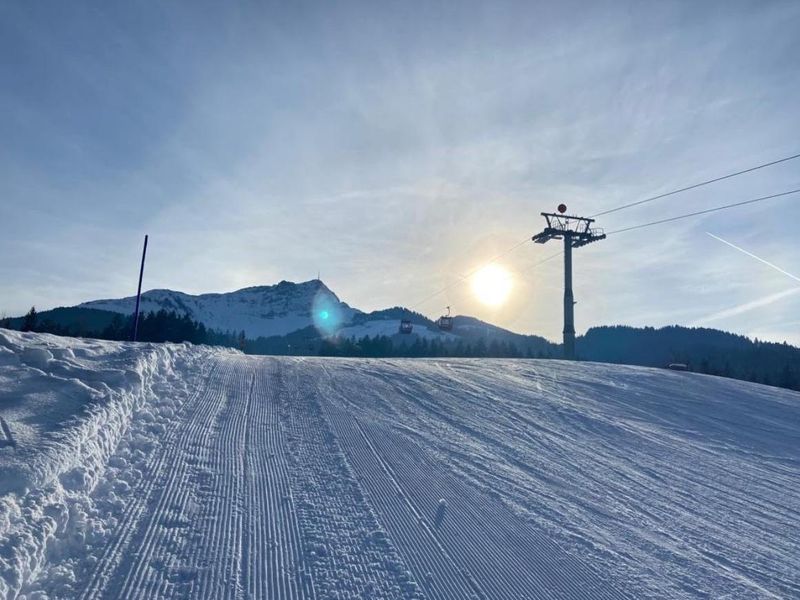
[{"x": 190, "y": 472}]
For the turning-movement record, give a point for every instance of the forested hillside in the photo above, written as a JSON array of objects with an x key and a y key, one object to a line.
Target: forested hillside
[{"x": 702, "y": 350}]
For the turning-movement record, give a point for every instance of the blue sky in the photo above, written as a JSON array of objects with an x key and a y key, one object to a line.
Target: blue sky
[{"x": 393, "y": 146}]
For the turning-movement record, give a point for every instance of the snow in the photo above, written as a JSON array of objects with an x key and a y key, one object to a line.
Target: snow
[
  {"x": 65, "y": 406},
  {"x": 259, "y": 311},
  {"x": 144, "y": 471}
]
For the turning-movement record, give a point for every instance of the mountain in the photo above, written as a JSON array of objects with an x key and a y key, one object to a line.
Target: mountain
[
  {"x": 261, "y": 311},
  {"x": 466, "y": 330},
  {"x": 386, "y": 322},
  {"x": 304, "y": 312},
  {"x": 470, "y": 328}
]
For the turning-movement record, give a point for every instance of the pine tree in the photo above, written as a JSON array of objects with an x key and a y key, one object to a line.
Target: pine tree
[
  {"x": 787, "y": 379},
  {"x": 29, "y": 324}
]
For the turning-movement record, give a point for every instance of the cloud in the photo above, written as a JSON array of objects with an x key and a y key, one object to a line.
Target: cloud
[
  {"x": 746, "y": 307},
  {"x": 394, "y": 148}
]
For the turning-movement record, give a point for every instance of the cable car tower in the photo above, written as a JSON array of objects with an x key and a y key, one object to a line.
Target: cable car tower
[{"x": 576, "y": 232}]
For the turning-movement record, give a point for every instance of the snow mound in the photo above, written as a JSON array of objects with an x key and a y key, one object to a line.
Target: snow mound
[{"x": 64, "y": 406}]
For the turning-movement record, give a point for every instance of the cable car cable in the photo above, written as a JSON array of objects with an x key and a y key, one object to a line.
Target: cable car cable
[
  {"x": 696, "y": 185},
  {"x": 463, "y": 278},
  {"x": 703, "y": 212}
]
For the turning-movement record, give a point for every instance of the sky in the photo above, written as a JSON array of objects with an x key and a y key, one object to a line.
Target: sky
[{"x": 393, "y": 147}]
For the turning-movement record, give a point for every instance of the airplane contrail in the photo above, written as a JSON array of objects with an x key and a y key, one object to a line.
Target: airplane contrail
[{"x": 751, "y": 255}]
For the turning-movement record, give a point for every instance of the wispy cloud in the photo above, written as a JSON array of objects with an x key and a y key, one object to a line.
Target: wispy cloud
[
  {"x": 746, "y": 307},
  {"x": 753, "y": 304}
]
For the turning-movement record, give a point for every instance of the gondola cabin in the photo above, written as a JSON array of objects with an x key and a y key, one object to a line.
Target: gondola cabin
[
  {"x": 406, "y": 326},
  {"x": 445, "y": 322}
]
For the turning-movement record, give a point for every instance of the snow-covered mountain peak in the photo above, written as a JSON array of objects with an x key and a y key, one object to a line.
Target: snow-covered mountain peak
[
  {"x": 258, "y": 311},
  {"x": 286, "y": 292}
]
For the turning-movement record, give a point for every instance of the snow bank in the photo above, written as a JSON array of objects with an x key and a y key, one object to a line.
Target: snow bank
[{"x": 65, "y": 404}]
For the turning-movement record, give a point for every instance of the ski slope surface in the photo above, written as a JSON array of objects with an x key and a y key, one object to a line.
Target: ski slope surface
[{"x": 173, "y": 471}]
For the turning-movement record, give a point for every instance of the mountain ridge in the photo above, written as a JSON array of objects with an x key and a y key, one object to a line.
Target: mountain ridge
[
  {"x": 292, "y": 307},
  {"x": 259, "y": 311}
]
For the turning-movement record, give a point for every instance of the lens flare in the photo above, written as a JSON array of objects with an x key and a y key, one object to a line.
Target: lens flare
[
  {"x": 326, "y": 313},
  {"x": 492, "y": 285}
]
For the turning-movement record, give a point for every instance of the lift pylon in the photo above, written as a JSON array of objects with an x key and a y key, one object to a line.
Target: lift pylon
[{"x": 576, "y": 232}]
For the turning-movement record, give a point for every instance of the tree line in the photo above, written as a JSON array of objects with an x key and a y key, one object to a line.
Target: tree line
[
  {"x": 704, "y": 350},
  {"x": 382, "y": 346},
  {"x": 159, "y": 327}
]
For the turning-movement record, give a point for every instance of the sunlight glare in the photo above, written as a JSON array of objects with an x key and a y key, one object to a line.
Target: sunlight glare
[{"x": 492, "y": 285}]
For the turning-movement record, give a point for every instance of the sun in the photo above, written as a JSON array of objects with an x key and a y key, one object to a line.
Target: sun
[{"x": 492, "y": 285}]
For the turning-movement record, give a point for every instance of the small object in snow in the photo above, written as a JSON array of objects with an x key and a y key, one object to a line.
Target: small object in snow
[
  {"x": 6, "y": 439},
  {"x": 440, "y": 510}
]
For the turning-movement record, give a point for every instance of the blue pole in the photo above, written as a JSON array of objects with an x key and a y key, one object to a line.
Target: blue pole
[{"x": 139, "y": 293}]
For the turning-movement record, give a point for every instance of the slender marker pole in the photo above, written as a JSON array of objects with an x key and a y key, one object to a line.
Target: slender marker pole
[{"x": 139, "y": 293}]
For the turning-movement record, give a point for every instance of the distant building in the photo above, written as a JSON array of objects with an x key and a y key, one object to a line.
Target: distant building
[{"x": 678, "y": 366}]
